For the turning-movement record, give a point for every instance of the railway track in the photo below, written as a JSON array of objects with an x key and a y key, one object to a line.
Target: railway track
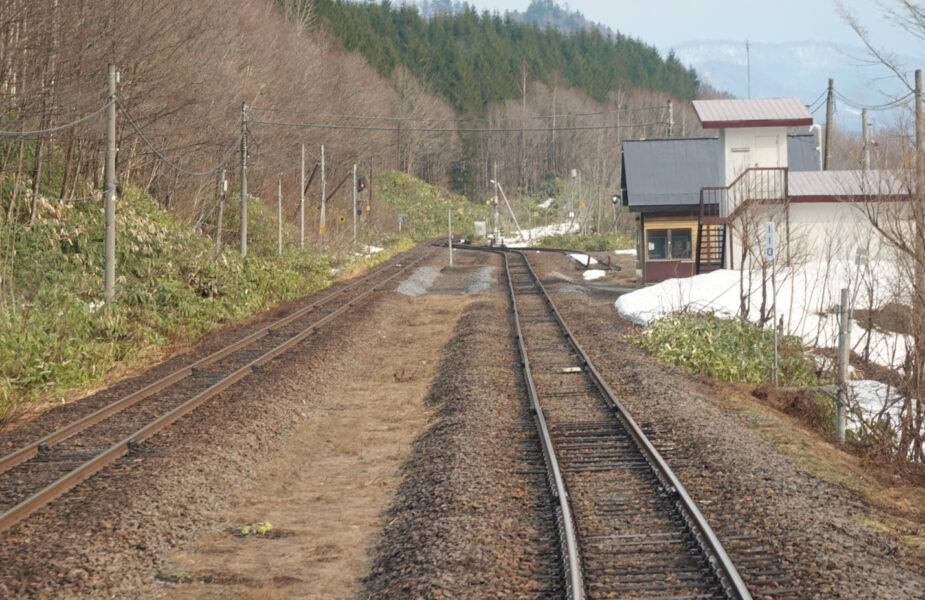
[
  {"x": 628, "y": 528},
  {"x": 39, "y": 472}
]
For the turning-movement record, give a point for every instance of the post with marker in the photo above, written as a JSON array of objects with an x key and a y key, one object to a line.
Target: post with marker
[{"x": 769, "y": 255}]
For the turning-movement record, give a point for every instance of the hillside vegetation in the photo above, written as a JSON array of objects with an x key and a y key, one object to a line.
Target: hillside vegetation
[
  {"x": 474, "y": 60},
  {"x": 56, "y": 335}
]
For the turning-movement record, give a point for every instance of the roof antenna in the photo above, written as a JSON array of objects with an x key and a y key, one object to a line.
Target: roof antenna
[{"x": 748, "y": 68}]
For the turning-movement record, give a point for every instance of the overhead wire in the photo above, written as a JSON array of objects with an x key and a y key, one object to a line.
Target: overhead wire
[
  {"x": 71, "y": 125},
  {"x": 454, "y": 130},
  {"x": 885, "y": 106},
  {"x": 231, "y": 151}
]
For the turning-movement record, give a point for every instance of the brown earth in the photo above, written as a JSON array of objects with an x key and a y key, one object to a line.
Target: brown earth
[{"x": 368, "y": 448}]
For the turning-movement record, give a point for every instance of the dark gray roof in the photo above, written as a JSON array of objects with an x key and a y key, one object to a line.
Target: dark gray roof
[
  {"x": 802, "y": 154},
  {"x": 670, "y": 172}
]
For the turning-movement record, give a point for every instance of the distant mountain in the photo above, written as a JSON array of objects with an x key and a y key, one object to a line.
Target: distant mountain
[{"x": 800, "y": 69}]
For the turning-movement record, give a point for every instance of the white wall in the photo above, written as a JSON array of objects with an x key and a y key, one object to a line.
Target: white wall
[{"x": 750, "y": 147}]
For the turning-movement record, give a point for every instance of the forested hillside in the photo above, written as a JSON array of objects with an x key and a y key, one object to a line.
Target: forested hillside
[{"x": 476, "y": 59}]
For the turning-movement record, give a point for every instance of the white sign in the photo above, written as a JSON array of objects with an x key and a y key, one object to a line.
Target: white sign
[{"x": 769, "y": 240}]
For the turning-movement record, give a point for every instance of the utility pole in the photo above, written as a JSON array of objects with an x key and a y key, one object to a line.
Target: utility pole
[
  {"x": 244, "y": 179},
  {"x": 494, "y": 203},
  {"x": 302, "y": 200},
  {"x": 865, "y": 135},
  {"x": 748, "y": 69},
  {"x": 829, "y": 115},
  {"x": 279, "y": 216},
  {"x": 844, "y": 348},
  {"x": 354, "y": 204},
  {"x": 223, "y": 187},
  {"x": 321, "y": 224},
  {"x": 670, "y": 118},
  {"x": 109, "y": 184}
]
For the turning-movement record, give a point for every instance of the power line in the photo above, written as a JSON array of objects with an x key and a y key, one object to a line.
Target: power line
[
  {"x": 885, "y": 106},
  {"x": 231, "y": 151},
  {"x": 23, "y": 134},
  {"x": 456, "y": 130},
  {"x": 453, "y": 119}
]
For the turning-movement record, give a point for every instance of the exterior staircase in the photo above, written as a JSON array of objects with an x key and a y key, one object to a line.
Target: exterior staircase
[{"x": 720, "y": 206}]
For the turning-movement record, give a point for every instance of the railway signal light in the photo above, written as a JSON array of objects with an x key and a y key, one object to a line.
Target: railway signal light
[{"x": 361, "y": 184}]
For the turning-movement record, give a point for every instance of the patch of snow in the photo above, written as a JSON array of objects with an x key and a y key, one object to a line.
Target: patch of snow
[
  {"x": 481, "y": 280},
  {"x": 558, "y": 275},
  {"x": 630, "y": 252},
  {"x": 545, "y": 203},
  {"x": 592, "y": 274},
  {"x": 419, "y": 282},
  {"x": 807, "y": 298},
  {"x": 513, "y": 239},
  {"x": 583, "y": 259}
]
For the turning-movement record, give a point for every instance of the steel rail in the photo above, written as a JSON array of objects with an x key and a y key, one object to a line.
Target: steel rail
[
  {"x": 724, "y": 568},
  {"x": 26, "y": 452},
  {"x": 572, "y": 559},
  {"x": 94, "y": 465}
]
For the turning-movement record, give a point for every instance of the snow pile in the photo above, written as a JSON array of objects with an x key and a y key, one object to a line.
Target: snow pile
[
  {"x": 629, "y": 252},
  {"x": 592, "y": 274},
  {"x": 807, "y": 302},
  {"x": 583, "y": 259},
  {"x": 513, "y": 239}
]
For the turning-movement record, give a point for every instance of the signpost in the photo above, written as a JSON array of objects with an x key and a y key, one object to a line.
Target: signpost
[{"x": 769, "y": 255}]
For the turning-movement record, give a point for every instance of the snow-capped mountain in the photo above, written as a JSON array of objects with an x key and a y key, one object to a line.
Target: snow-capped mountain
[{"x": 800, "y": 69}]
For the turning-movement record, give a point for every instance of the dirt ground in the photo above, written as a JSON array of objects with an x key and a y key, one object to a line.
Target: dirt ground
[
  {"x": 366, "y": 447},
  {"x": 327, "y": 486}
]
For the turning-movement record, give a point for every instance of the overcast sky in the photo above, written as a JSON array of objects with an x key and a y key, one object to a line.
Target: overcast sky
[{"x": 664, "y": 23}]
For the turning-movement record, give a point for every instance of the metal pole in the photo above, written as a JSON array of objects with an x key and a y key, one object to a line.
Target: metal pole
[
  {"x": 321, "y": 224},
  {"x": 355, "y": 204},
  {"x": 449, "y": 227},
  {"x": 109, "y": 183},
  {"x": 865, "y": 135},
  {"x": 279, "y": 216},
  {"x": 302, "y": 200},
  {"x": 829, "y": 116},
  {"x": 844, "y": 347},
  {"x": 244, "y": 179},
  {"x": 221, "y": 210},
  {"x": 774, "y": 316},
  {"x": 494, "y": 208}
]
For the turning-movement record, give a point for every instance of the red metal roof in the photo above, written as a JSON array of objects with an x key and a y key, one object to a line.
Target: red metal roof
[
  {"x": 829, "y": 186},
  {"x": 754, "y": 112}
]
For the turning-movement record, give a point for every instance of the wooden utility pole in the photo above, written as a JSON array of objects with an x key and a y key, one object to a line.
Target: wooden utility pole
[
  {"x": 109, "y": 189},
  {"x": 321, "y": 223},
  {"x": 244, "y": 179},
  {"x": 302, "y": 200},
  {"x": 222, "y": 188},
  {"x": 829, "y": 116},
  {"x": 865, "y": 135}
]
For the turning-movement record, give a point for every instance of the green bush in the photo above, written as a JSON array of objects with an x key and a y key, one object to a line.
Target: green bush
[
  {"x": 728, "y": 349},
  {"x": 595, "y": 242},
  {"x": 57, "y": 335}
]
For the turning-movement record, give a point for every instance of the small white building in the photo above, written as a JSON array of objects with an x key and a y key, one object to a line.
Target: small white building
[{"x": 764, "y": 170}]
